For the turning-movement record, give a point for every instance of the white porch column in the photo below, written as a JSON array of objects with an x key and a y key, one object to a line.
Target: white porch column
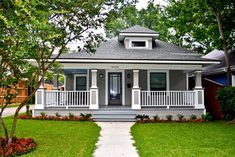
[
  {"x": 199, "y": 91},
  {"x": 94, "y": 99},
  {"x": 198, "y": 79},
  {"x": 40, "y": 96},
  {"x": 136, "y": 91}
]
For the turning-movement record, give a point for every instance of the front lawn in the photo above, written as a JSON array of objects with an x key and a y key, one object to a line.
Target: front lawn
[
  {"x": 215, "y": 139},
  {"x": 59, "y": 138}
]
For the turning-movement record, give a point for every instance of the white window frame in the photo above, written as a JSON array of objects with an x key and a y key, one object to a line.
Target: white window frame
[
  {"x": 87, "y": 79},
  {"x": 159, "y": 71},
  {"x": 134, "y": 40},
  {"x": 106, "y": 85}
]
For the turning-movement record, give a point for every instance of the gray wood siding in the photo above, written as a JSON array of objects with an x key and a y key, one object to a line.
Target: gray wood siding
[
  {"x": 177, "y": 80},
  {"x": 101, "y": 86},
  {"x": 143, "y": 82},
  {"x": 128, "y": 90},
  {"x": 69, "y": 82}
]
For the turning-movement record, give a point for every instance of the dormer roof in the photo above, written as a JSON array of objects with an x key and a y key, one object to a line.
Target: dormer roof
[{"x": 137, "y": 31}]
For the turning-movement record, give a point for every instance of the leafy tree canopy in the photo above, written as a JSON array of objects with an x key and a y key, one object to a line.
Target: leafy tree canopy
[{"x": 36, "y": 29}]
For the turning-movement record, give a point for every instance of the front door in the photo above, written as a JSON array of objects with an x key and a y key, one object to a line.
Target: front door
[{"x": 115, "y": 88}]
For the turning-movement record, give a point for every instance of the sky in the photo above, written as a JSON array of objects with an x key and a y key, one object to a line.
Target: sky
[{"x": 143, "y": 3}]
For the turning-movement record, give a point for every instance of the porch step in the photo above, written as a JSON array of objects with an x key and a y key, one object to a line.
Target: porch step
[{"x": 114, "y": 116}]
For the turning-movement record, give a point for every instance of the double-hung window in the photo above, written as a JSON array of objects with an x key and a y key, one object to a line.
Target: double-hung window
[
  {"x": 81, "y": 82},
  {"x": 158, "y": 81}
]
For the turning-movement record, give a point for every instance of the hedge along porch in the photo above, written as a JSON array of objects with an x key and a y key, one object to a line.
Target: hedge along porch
[{"x": 135, "y": 73}]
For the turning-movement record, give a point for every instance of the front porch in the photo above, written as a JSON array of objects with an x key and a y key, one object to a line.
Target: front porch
[{"x": 92, "y": 90}]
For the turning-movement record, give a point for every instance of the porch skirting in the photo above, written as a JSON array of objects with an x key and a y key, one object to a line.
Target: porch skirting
[{"x": 111, "y": 112}]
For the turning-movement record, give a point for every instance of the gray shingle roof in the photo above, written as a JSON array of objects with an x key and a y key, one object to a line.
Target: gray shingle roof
[
  {"x": 113, "y": 49},
  {"x": 138, "y": 29},
  {"x": 219, "y": 68}
]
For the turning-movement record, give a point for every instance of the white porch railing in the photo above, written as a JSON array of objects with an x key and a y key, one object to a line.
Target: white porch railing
[
  {"x": 67, "y": 98},
  {"x": 167, "y": 98}
]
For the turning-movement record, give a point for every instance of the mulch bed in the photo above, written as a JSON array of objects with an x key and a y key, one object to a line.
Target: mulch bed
[
  {"x": 56, "y": 118},
  {"x": 167, "y": 121},
  {"x": 16, "y": 147}
]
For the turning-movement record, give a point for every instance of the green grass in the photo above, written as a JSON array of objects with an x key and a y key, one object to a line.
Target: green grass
[
  {"x": 59, "y": 138},
  {"x": 215, "y": 139}
]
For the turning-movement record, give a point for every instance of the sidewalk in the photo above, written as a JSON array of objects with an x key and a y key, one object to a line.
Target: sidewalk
[
  {"x": 115, "y": 140},
  {"x": 10, "y": 111}
]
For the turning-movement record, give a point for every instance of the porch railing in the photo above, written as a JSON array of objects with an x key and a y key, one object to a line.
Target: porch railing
[
  {"x": 167, "y": 98},
  {"x": 67, "y": 98}
]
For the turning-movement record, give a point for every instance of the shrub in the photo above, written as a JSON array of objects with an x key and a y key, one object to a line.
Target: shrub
[
  {"x": 17, "y": 147},
  {"x": 180, "y": 117},
  {"x": 169, "y": 117},
  {"x": 193, "y": 117},
  {"x": 142, "y": 117},
  {"x": 226, "y": 98},
  {"x": 207, "y": 117},
  {"x": 71, "y": 115},
  {"x": 57, "y": 114},
  {"x": 156, "y": 117},
  {"x": 43, "y": 114},
  {"x": 86, "y": 116}
]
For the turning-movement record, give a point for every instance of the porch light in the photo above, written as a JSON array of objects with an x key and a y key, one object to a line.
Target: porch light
[{"x": 101, "y": 75}]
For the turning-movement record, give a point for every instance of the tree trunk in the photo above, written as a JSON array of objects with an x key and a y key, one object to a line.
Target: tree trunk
[
  {"x": 224, "y": 44},
  {"x": 18, "y": 110},
  {"x": 4, "y": 128}
]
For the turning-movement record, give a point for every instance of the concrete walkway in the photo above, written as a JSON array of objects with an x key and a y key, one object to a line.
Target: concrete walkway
[
  {"x": 10, "y": 111},
  {"x": 115, "y": 140}
]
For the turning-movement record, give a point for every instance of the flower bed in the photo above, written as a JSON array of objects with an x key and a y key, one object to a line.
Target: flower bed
[
  {"x": 58, "y": 118},
  {"x": 166, "y": 121},
  {"x": 16, "y": 147}
]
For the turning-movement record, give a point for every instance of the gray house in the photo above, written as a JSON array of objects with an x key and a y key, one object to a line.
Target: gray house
[{"x": 134, "y": 73}]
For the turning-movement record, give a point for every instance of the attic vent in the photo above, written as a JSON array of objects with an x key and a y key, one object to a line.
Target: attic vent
[{"x": 138, "y": 43}]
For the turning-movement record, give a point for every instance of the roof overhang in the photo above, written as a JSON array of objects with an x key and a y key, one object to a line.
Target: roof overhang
[
  {"x": 122, "y": 36},
  {"x": 221, "y": 70},
  {"x": 133, "y": 61}
]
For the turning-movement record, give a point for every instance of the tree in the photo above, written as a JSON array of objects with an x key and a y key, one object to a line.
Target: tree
[
  {"x": 150, "y": 17},
  {"x": 35, "y": 30},
  {"x": 204, "y": 25},
  {"x": 200, "y": 25}
]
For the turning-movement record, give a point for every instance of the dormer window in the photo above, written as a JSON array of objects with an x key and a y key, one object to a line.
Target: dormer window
[{"x": 139, "y": 44}]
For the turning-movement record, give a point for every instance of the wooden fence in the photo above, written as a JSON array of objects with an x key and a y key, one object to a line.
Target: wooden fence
[
  {"x": 21, "y": 96},
  {"x": 211, "y": 103}
]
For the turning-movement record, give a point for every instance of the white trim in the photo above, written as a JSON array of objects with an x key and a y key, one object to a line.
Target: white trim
[
  {"x": 106, "y": 85},
  {"x": 138, "y": 40},
  {"x": 128, "y": 61},
  {"x": 139, "y": 34},
  {"x": 233, "y": 80},
  {"x": 77, "y": 75},
  {"x": 187, "y": 81},
  {"x": 131, "y": 66},
  {"x": 65, "y": 82},
  {"x": 160, "y": 71}
]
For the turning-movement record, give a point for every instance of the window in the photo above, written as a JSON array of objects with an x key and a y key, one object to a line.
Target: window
[
  {"x": 81, "y": 83},
  {"x": 158, "y": 81},
  {"x": 138, "y": 44}
]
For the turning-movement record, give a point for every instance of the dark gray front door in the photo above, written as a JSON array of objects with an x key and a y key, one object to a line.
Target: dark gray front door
[{"x": 115, "y": 88}]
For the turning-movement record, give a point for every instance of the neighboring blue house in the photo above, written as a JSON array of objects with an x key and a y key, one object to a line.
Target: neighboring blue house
[{"x": 217, "y": 72}]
